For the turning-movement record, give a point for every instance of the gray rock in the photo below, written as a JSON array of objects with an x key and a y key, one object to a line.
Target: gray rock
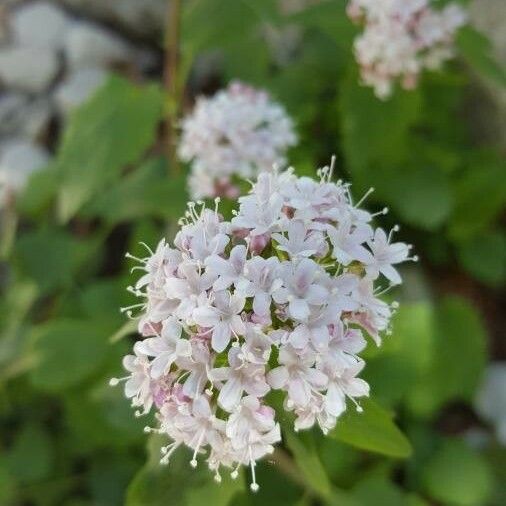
[
  {"x": 27, "y": 68},
  {"x": 142, "y": 18},
  {"x": 19, "y": 159},
  {"x": 39, "y": 24},
  {"x": 89, "y": 45},
  {"x": 21, "y": 116},
  {"x": 78, "y": 87}
]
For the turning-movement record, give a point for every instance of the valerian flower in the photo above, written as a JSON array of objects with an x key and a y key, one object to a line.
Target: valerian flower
[
  {"x": 401, "y": 38},
  {"x": 281, "y": 297},
  {"x": 239, "y": 131}
]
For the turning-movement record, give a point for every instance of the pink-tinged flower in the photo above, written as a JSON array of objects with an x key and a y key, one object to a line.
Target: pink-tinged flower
[
  {"x": 239, "y": 377},
  {"x": 239, "y": 131},
  {"x": 298, "y": 241},
  {"x": 347, "y": 242},
  {"x": 228, "y": 271},
  {"x": 166, "y": 348},
  {"x": 401, "y": 38},
  {"x": 223, "y": 317},
  {"x": 301, "y": 288},
  {"x": 384, "y": 255},
  {"x": 261, "y": 280},
  {"x": 277, "y": 298},
  {"x": 343, "y": 383},
  {"x": 296, "y": 375}
]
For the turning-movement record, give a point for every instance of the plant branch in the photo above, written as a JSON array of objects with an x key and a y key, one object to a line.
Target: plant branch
[{"x": 171, "y": 82}]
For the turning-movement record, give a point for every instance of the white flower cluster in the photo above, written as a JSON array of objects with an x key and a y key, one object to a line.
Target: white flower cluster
[
  {"x": 239, "y": 131},
  {"x": 280, "y": 297},
  {"x": 401, "y": 38}
]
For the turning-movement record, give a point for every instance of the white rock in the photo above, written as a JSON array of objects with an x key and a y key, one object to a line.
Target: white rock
[
  {"x": 88, "y": 45},
  {"x": 78, "y": 87},
  {"x": 39, "y": 24},
  {"x": 27, "y": 68},
  {"x": 18, "y": 160},
  {"x": 21, "y": 116}
]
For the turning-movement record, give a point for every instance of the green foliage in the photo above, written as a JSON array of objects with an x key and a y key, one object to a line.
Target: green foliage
[
  {"x": 112, "y": 130},
  {"x": 476, "y": 50},
  {"x": 458, "y": 358},
  {"x": 68, "y": 352},
  {"x": 372, "y": 430},
  {"x": 457, "y": 475}
]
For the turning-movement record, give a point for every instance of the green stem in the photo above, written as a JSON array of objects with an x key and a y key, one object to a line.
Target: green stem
[{"x": 171, "y": 83}]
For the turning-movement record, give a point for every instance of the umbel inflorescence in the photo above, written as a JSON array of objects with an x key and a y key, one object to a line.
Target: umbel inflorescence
[
  {"x": 280, "y": 297},
  {"x": 401, "y": 38},
  {"x": 237, "y": 132}
]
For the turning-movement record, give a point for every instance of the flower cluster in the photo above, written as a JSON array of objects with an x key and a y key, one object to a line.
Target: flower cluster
[
  {"x": 239, "y": 131},
  {"x": 278, "y": 298},
  {"x": 401, "y": 38}
]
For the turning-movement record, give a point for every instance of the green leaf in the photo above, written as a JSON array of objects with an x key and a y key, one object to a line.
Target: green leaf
[
  {"x": 421, "y": 196},
  {"x": 308, "y": 461},
  {"x": 477, "y": 52},
  {"x": 69, "y": 351},
  {"x": 484, "y": 257},
  {"x": 178, "y": 483},
  {"x": 480, "y": 195},
  {"x": 398, "y": 366},
  {"x": 31, "y": 457},
  {"x": 372, "y": 430},
  {"x": 375, "y": 133},
  {"x": 239, "y": 32},
  {"x": 458, "y": 360},
  {"x": 148, "y": 191},
  {"x": 111, "y": 130},
  {"x": 39, "y": 192},
  {"x": 51, "y": 257},
  {"x": 456, "y": 474}
]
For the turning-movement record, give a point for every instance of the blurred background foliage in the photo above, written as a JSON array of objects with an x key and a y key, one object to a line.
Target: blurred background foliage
[{"x": 67, "y": 438}]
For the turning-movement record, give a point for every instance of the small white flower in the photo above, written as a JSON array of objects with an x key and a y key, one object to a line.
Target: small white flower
[
  {"x": 223, "y": 317},
  {"x": 301, "y": 288},
  {"x": 166, "y": 348},
  {"x": 384, "y": 255},
  {"x": 240, "y": 377},
  {"x": 296, "y": 375},
  {"x": 239, "y": 131}
]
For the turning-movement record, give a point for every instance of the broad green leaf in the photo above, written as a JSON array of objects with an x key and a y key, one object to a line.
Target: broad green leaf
[
  {"x": 40, "y": 191},
  {"x": 405, "y": 356},
  {"x": 378, "y": 491},
  {"x": 178, "y": 483},
  {"x": 308, "y": 461},
  {"x": 68, "y": 352},
  {"x": 110, "y": 131},
  {"x": 375, "y": 133},
  {"x": 458, "y": 360},
  {"x": 421, "y": 196},
  {"x": 52, "y": 257},
  {"x": 241, "y": 31},
  {"x": 372, "y": 430},
  {"x": 148, "y": 191},
  {"x": 30, "y": 459},
  {"x": 480, "y": 195},
  {"x": 458, "y": 475},
  {"x": 484, "y": 257},
  {"x": 477, "y": 52}
]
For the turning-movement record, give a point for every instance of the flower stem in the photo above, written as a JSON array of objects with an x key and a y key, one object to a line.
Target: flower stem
[{"x": 171, "y": 82}]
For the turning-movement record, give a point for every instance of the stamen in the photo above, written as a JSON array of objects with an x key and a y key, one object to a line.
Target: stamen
[
  {"x": 362, "y": 200},
  {"x": 254, "y": 485}
]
